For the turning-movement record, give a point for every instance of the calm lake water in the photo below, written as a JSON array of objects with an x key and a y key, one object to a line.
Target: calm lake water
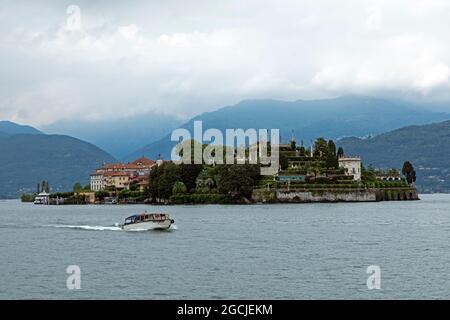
[{"x": 299, "y": 251}]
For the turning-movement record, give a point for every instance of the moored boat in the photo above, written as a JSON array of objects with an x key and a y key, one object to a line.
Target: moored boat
[
  {"x": 42, "y": 198},
  {"x": 147, "y": 221}
]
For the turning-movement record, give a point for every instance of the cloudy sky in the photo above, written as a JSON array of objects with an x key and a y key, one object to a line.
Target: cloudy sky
[{"x": 183, "y": 57}]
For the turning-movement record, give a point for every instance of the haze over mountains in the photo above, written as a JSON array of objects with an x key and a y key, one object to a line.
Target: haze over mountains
[
  {"x": 330, "y": 118},
  {"x": 119, "y": 137}
]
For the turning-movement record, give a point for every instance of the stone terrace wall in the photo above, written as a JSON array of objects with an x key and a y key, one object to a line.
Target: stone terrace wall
[
  {"x": 308, "y": 196},
  {"x": 341, "y": 195}
]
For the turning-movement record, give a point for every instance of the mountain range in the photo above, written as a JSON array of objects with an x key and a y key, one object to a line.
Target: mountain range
[
  {"x": 331, "y": 118},
  {"x": 427, "y": 147},
  {"x": 28, "y": 156},
  {"x": 371, "y": 127}
]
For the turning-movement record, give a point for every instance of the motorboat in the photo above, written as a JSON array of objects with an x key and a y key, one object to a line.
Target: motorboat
[
  {"x": 147, "y": 221},
  {"x": 42, "y": 198}
]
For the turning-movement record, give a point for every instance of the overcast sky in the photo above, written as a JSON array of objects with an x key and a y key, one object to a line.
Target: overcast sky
[{"x": 183, "y": 57}]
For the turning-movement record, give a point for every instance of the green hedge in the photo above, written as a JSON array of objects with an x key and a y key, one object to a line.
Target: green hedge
[
  {"x": 75, "y": 200},
  {"x": 63, "y": 195},
  {"x": 128, "y": 194},
  {"x": 201, "y": 199},
  {"x": 27, "y": 197}
]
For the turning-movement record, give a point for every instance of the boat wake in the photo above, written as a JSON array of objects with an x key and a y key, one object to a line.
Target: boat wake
[
  {"x": 85, "y": 227},
  {"x": 100, "y": 228}
]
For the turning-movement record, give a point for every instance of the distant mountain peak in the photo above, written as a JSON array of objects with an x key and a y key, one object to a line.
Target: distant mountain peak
[{"x": 11, "y": 128}]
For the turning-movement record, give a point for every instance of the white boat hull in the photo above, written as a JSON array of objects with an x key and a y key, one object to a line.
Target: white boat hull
[{"x": 148, "y": 225}]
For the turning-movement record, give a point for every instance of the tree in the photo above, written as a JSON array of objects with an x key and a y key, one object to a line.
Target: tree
[
  {"x": 100, "y": 195},
  {"x": 332, "y": 147},
  {"x": 134, "y": 186},
  {"x": 237, "y": 180},
  {"x": 206, "y": 180},
  {"x": 284, "y": 162},
  {"x": 320, "y": 148},
  {"x": 302, "y": 151},
  {"x": 152, "y": 189},
  {"x": 189, "y": 174},
  {"x": 77, "y": 187},
  {"x": 393, "y": 172},
  {"x": 340, "y": 152},
  {"x": 162, "y": 179},
  {"x": 293, "y": 145},
  {"x": 179, "y": 188},
  {"x": 368, "y": 174},
  {"x": 124, "y": 194},
  {"x": 331, "y": 157},
  {"x": 409, "y": 172}
]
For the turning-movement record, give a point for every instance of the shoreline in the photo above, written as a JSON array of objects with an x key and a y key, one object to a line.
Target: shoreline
[{"x": 279, "y": 196}]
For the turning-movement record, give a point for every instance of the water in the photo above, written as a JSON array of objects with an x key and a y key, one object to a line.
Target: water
[{"x": 298, "y": 251}]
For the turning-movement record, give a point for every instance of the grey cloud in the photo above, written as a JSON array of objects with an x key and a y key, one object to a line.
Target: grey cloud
[{"x": 185, "y": 57}]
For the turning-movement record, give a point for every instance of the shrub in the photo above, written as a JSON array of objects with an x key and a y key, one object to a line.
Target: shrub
[
  {"x": 75, "y": 200},
  {"x": 100, "y": 195},
  {"x": 179, "y": 188},
  {"x": 201, "y": 199},
  {"x": 27, "y": 197},
  {"x": 63, "y": 195}
]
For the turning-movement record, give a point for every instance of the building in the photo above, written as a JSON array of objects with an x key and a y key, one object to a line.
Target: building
[
  {"x": 352, "y": 166},
  {"x": 121, "y": 175},
  {"x": 140, "y": 182},
  {"x": 388, "y": 175},
  {"x": 389, "y": 178},
  {"x": 97, "y": 181},
  {"x": 89, "y": 197},
  {"x": 117, "y": 180}
]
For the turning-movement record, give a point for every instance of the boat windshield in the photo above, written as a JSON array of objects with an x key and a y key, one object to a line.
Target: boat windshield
[{"x": 131, "y": 219}]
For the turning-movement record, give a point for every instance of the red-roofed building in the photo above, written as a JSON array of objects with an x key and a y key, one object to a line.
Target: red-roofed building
[
  {"x": 119, "y": 175},
  {"x": 143, "y": 161}
]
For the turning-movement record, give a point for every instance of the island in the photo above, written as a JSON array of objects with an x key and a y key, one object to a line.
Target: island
[{"x": 320, "y": 172}]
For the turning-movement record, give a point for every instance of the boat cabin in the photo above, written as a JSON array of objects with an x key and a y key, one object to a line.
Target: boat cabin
[{"x": 146, "y": 217}]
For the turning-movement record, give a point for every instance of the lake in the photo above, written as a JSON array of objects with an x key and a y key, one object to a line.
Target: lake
[{"x": 283, "y": 251}]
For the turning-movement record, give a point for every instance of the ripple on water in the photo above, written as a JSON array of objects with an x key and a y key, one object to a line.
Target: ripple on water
[{"x": 226, "y": 252}]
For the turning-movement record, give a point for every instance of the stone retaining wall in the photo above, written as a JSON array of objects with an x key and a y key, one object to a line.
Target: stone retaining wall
[{"x": 341, "y": 195}]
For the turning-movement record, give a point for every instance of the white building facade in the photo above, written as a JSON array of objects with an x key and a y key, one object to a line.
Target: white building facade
[
  {"x": 352, "y": 166},
  {"x": 97, "y": 182}
]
